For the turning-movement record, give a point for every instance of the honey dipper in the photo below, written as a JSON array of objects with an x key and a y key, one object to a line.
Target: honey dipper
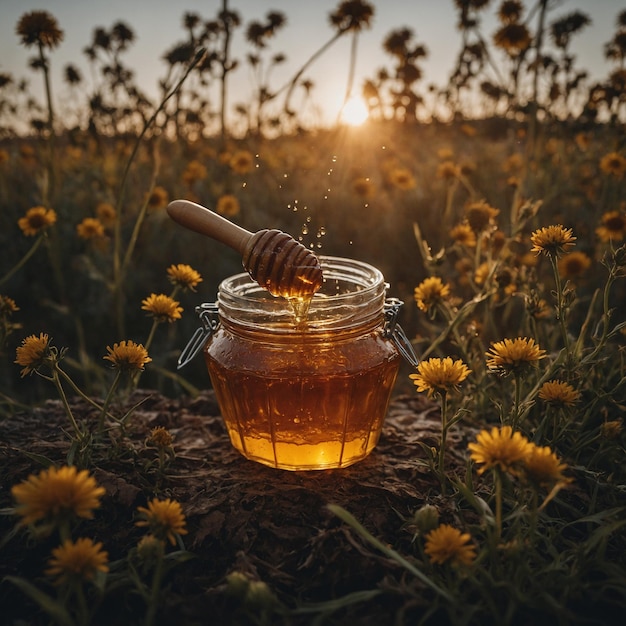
[{"x": 272, "y": 258}]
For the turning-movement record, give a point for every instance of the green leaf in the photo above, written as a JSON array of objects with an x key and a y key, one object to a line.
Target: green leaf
[
  {"x": 53, "y": 608},
  {"x": 330, "y": 606},
  {"x": 349, "y": 519}
]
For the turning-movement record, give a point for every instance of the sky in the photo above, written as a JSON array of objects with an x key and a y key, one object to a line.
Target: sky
[{"x": 158, "y": 27}]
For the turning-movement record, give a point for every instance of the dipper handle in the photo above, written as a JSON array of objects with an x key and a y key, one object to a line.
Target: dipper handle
[
  {"x": 273, "y": 258},
  {"x": 206, "y": 222}
]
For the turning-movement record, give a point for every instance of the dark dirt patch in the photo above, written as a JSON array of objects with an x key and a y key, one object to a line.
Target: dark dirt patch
[{"x": 272, "y": 525}]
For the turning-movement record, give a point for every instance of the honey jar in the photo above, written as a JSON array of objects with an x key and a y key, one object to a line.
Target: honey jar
[{"x": 303, "y": 393}]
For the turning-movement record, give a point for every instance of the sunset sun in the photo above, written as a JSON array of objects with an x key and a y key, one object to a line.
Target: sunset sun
[{"x": 354, "y": 112}]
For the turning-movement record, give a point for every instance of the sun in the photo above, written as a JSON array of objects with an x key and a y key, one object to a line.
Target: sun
[{"x": 354, "y": 112}]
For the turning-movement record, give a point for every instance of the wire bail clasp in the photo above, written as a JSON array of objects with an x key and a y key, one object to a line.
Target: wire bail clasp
[
  {"x": 392, "y": 330},
  {"x": 207, "y": 312}
]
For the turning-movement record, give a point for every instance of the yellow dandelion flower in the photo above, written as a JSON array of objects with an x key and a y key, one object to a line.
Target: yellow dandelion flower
[
  {"x": 552, "y": 240},
  {"x": 613, "y": 164},
  {"x": 57, "y": 494},
  {"x": 612, "y": 429},
  {"x": 150, "y": 550},
  {"x": 162, "y": 307},
  {"x": 364, "y": 188},
  {"x": 164, "y": 518},
  {"x": 573, "y": 265},
  {"x": 445, "y": 154},
  {"x": 513, "y": 355},
  {"x": 559, "y": 393},
  {"x": 612, "y": 227},
  {"x": 184, "y": 276},
  {"x": 402, "y": 178},
  {"x": 127, "y": 356},
  {"x": 39, "y": 28},
  {"x": 448, "y": 170},
  {"x": 228, "y": 205},
  {"x": 480, "y": 216},
  {"x": 439, "y": 375},
  {"x": 430, "y": 292},
  {"x": 33, "y": 352},
  {"x": 157, "y": 199},
  {"x": 446, "y": 544},
  {"x": 106, "y": 213},
  {"x": 482, "y": 273},
  {"x": 501, "y": 448},
  {"x": 7, "y": 306},
  {"x": 514, "y": 164},
  {"x": 36, "y": 220},
  {"x": 463, "y": 235},
  {"x": 241, "y": 162},
  {"x": 79, "y": 560},
  {"x": 90, "y": 228},
  {"x": 542, "y": 467},
  {"x": 161, "y": 437},
  {"x": 193, "y": 172}
]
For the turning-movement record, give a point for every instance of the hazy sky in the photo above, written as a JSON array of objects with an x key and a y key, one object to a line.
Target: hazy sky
[{"x": 158, "y": 27}]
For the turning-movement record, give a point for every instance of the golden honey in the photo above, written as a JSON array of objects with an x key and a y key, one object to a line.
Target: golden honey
[{"x": 308, "y": 395}]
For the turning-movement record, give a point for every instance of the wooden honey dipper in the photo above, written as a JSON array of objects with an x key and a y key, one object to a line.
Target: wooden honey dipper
[{"x": 272, "y": 258}]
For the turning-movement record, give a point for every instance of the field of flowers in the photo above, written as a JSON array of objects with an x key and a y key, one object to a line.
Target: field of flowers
[{"x": 503, "y": 233}]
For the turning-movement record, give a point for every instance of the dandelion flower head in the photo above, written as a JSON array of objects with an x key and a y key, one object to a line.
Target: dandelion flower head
[
  {"x": 439, "y": 375},
  {"x": 402, "y": 178},
  {"x": 613, "y": 164},
  {"x": 242, "y": 162},
  {"x": 513, "y": 355},
  {"x": 57, "y": 494},
  {"x": 480, "y": 216},
  {"x": 33, "y": 352},
  {"x": 463, "y": 235},
  {"x": 543, "y": 468},
  {"x": 162, "y": 307},
  {"x": 7, "y": 306},
  {"x": 228, "y": 205},
  {"x": 500, "y": 448},
  {"x": 157, "y": 199},
  {"x": 552, "y": 240},
  {"x": 79, "y": 560},
  {"x": 127, "y": 356},
  {"x": 574, "y": 264},
  {"x": 161, "y": 437},
  {"x": 184, "y": 276},
  {"x": 612, "y": 227},
  {"x": 106, "y": 213},
  {"x": 364, "y": 188},
  {"x": 430, "y": 292},
  {"x": 559, "y": 393},
  {"x": 164, "y": 518},
  {"x": 36, "y": 220},
  {"x": 446, "y": 544},
  {"x": 90, "y": 228}
]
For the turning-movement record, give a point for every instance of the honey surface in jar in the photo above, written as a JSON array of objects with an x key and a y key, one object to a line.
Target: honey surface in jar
[{"x": 328, "y": 415}]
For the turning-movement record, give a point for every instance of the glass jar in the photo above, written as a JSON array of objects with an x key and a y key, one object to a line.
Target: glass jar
[{"x": 307, "y": 395}]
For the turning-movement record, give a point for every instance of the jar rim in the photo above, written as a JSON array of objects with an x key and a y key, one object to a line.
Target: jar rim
[{"x": 352, "y": 292}]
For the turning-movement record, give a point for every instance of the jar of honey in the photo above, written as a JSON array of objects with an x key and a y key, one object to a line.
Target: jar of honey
[{"x": 307, "y": 391}]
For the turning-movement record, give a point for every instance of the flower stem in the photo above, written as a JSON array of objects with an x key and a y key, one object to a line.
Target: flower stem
[
  {"x": 23, "y": 260},
  {"x": 154, "y": 592},
  {"x": 498, "y": 522},
  {"x": 560, "y": 305},
  {"x": 442, "y": 446},
  {"x": 57, "y": 383},
  {"x": 107, "y": 401}
]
